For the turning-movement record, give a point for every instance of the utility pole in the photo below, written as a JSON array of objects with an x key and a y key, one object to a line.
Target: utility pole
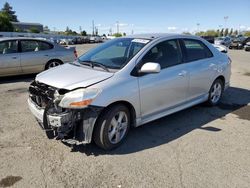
[
  {"x": 117, "y": 25},
  {"x": 93, "y": 28}
]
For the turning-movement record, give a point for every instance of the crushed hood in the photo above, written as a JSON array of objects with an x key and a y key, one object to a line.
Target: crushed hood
[{"x": 70, "y": 76}]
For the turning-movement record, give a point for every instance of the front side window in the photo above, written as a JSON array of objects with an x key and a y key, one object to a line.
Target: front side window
[
  {"x": 166, "y": 53},
  {"x": 8, "y": 47},
  {"x": 196, "y": 50},
  {"x": 34, "y": 46},
  {"x": 114, "y": 54}
]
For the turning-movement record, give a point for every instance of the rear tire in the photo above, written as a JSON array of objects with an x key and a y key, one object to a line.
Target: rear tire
[
  {"x": 112, "y": 127},
  {"x": 53, "y": 63},
  {"x": 215, "y": 92}
]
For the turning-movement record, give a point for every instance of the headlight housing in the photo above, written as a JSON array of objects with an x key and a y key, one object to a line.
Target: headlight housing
[{"x": 79, "y": 98}]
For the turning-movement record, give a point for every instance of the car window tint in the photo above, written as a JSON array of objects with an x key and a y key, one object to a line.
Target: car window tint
[
  {"x": 166, "y": 53},
  {"x": 44, "y": 46},
  {"x": 8, "y": 47},
  {"x": 29, "y": 45},
  {"x": 111, "y": 52},
  {"x": 196, "y": 50},
  {"x": 34, "y": 46}
]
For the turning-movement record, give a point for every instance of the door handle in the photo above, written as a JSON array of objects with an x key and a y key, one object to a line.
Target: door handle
[
  {"x": 14, "y": 57},
  {"x": 182, "y": 73}
]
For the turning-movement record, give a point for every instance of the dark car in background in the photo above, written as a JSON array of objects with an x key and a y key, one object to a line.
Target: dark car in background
[
  {"x": 239, "y": 43},
  {"x": 209, "y": 39}
]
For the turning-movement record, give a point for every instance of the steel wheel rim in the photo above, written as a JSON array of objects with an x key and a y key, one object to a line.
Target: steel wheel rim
[
  {"x": 216, "y": 93},
  {"x": 53, "y": 64},
  {"x": 118, "y": 127}
]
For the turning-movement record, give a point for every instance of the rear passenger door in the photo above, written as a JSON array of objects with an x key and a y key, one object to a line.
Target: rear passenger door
[
  {"x": 200, "y": 66},
  {"x": 9, "y": 58},
  {"x": 35, "y": 54}
]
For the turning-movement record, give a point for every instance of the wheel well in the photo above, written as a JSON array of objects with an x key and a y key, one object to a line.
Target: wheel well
[
  {"x": 58, "y": 60},
  {"x": 222, "y": 79},
  {"x": 128, "y": 105}
]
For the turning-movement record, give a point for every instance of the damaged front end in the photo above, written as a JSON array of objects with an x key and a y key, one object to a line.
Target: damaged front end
[{"x": 73, "y": 125}]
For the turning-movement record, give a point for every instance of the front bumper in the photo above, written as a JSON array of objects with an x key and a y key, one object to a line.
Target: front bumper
[
  {"x": 82, "y": 123},
  {"x": 36, "y": 110}
]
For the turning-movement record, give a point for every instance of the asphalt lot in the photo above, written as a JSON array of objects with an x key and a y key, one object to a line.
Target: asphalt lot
[{"x": 197, "y": 147}]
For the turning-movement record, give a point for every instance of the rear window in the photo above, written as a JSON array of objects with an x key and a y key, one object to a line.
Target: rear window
[{"x": 196, "y": 50}]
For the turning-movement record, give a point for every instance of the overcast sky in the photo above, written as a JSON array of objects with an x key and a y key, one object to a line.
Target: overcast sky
[{"x": 141, "y": 16}]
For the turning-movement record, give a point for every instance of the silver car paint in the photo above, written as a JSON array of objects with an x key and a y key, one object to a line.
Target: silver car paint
[
  {"x": 32, "y": 62},
  {"x": 124, "y": 87},
  {"x": 154, "y": 95}
]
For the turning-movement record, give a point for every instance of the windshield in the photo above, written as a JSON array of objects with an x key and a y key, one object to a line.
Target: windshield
[{"x": 114, "y": 54}]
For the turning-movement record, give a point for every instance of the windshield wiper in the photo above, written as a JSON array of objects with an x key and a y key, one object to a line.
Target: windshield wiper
[{"x": 94, "y": 63}]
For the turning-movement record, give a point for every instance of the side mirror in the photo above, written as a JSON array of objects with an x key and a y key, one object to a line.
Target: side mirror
[{"x": 150, "y": 67}]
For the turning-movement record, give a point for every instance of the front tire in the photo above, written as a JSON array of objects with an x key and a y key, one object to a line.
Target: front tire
[
  {"x": 112, "y": 127},
  {"x": 215, "y": 92}
]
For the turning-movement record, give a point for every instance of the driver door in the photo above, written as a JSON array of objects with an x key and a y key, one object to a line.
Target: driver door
[{"x": 168, "y": 88}]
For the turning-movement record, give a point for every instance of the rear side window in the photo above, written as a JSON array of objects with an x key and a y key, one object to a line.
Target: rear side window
[
  {"x": 196, "y": 50},
  {"x": 8, "y": 47},
  {"x": 34, "y": 46},
  {"x": 166, "y": 53}
]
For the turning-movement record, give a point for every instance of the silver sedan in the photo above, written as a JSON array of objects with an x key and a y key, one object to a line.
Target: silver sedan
[
  {"x": 29, "y": 55},
  {"x": 127, "y": 82}
]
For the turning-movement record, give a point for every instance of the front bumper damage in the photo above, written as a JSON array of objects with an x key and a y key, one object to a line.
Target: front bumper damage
[{"x": 73, "y": 126}]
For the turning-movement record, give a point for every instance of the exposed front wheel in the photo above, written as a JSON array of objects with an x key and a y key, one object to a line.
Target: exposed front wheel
[
  {"x": 112, "y": 127},
  {"x": 215, "y": 93}
]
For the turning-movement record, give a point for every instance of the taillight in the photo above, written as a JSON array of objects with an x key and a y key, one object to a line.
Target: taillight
[{"x": 75, "y": 53}]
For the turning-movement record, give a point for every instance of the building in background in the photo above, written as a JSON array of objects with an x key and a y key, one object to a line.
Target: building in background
[{"x": 27, "y": 27}]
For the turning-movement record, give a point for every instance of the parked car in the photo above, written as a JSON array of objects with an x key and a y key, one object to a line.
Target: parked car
[
  {"x": 209, "y": 38},
  {"x": 29, "y": 55},
  {"x": 127, "y": 82},
  {"x": 226, "y": 41},
  {"x": 95, "y": 39},
  {"x": 247, "y": 46},
  {"x": 221, "y": 48},
  {"x": 64, "y": 42},
  {"x": 239, "y": 43},
  {"x": 85, "y": 39}
]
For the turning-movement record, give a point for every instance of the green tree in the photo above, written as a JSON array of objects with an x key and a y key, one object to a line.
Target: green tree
[
  {"x": 117, "y": 34},
  {"x": 218, "y": 32},
  {"x": 235, "y": 32},
  {"x": 221, "y": 32},
  {"x": 200, "y": 33},
  {"x": 247, "y": 34},
  {"x": 231, "y": 32},
  {"x": 84, "y": 33},
  {"x": 7, "y": 9},
  {"x": 226, "y": 32},
  {"x": 211, "y": 33},
  {"x": 34, "y": 30},
  {"x": 5, "y": 24}
]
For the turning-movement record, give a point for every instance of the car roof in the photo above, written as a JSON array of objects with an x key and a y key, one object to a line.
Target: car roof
[
  {"x": 21, "y": 38},
  {"x": 153, "y": 36}
]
